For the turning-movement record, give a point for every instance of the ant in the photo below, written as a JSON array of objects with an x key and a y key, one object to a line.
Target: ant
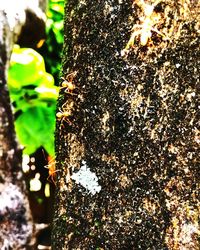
[
  {"x": 148, "y": 22},
  {"x": 64, "y": 113},
  {"x": 68, "y": 83},
  {"x": 52, "y": 170}
]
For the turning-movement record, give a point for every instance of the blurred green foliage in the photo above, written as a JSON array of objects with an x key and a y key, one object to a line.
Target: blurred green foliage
[
  {"x": 52, "y": 48},
  {"x": 34, "y": 96},
  {"x": 32, "y": 90}
]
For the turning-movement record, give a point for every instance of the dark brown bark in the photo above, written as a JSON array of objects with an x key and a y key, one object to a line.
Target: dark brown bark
[{"x": 127, "y": 144}]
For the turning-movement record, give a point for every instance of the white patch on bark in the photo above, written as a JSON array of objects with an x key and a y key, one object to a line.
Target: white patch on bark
[
  {"x": 16, "y": 227},
  {"x": 87, "y": 179}
]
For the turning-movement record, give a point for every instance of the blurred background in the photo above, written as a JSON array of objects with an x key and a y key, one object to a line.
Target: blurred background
[{"x": 33, "y": 80}]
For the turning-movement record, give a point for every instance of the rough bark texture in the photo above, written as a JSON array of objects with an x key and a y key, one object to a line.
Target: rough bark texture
[
  {"x": 15, "y": 218},
  {"x": 128, "y": 138},
  {"x": 17, "y": 228}
]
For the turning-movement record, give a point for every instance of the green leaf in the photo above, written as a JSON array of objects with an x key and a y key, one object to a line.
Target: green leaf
[
  {"x": 32, "y": 89},
  {"x": 26, "y": 67},
  {"x": 47, "y": 93},
  {"x": 33, "y": 92},
  {"x": 35, "y": 128}
]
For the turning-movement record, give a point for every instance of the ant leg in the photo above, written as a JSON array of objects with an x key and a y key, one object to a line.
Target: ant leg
[
  {"x": 52, "y": 178},
  {"x": 157, "y": 31},
  {"x": 71, "y": 76},
  {"x": 68, "y": 121},
  {"x": 132, "y": 39},
  {"x": 48, "y": 178},
  {"x": 70, "y": 93},
  {"x": 160, "y": 33},
  {"x": 156, "y": 3}
]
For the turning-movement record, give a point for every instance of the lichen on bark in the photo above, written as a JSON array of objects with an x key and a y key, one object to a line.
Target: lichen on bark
[{"x": 132, "y": 119}]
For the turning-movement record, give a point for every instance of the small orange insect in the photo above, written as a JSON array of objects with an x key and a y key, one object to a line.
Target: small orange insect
[
  {"x": 68, "y": 83},
  {"x": 52, "y": 170},
  {"x": 64, "y": 114}
]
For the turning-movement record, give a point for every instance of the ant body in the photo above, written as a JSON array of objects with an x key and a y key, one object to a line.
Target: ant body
[
  {"x": 65, "y": 113},
  {"x": 146, "y": 26},
  {"x": 51, "y": 170},
  {"x": 68, "y": 83}
]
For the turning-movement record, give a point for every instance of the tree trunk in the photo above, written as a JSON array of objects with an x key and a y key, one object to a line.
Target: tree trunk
[
  {"x": 127, "y": 130},
  {"x": 16, "y": 222},
  {"x": 17, "y": 228}
]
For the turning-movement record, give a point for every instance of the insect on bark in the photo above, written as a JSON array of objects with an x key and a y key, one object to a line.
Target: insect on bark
[
  {"x": 52, "y": 171},
  {"x": 68, "y": 83},
  {"x": 64, "y": 113},
  {"x": 148, "y": 23}
]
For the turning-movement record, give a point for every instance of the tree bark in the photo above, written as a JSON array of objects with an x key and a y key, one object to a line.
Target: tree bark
[
  {"x": 17, "y": 228},
  {"x": 127, "y": 134}
]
